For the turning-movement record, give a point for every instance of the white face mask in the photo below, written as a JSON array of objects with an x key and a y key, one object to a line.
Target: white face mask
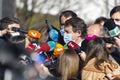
[{"x": 67, "y": 37}]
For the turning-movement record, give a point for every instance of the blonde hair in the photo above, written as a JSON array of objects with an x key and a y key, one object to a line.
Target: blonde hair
[{"x": 68, "y": 64}]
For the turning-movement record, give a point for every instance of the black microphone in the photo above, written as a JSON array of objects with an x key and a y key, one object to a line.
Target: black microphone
[
  {"x": 50, "y": 63},
  {"x": 18, "y": 30},
  {"x": 113, "y": 29}
]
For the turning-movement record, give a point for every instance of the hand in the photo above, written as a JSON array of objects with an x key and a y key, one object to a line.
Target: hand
[
  {"x": 43, "y": 71},
  {"x": 117, "y": 40},
  {"x": 82, "y": 55},
  {"x": 3, "y": 32}
]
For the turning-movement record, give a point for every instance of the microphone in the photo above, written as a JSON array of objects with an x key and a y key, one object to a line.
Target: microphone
[
  {"x": 52, "y": 45},
  {"x": 43, "y": 47},
  {"x": 48, "y": 24},
  {"x": 53, "y": 33},
  {"x": 40, "y": 58},
  {"x": 43, "y": 59},
  {"x": 49, "y": 63},
  {"x": 112, "y": 28},
  {"x": 31, "y": 47},
  {"x": 32, "y": 33},
  {"x": 58, "y": 49},
  {"x": 19, "y": 30},
  {"x": 74, "y": 46},
  {"x": 46, "y": 47}
]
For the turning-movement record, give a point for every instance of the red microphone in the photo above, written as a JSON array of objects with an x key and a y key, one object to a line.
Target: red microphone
[
  {"x": 46, "y": 47},
  {"x": 74, "y": 46},
  {"x": 30, "y": 47},
  {"x": 43, "y": 47}
]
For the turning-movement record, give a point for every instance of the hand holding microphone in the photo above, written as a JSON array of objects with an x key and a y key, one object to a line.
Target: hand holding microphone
[
  {"x": 77, "y": 48},
  {"x": 74, "y": 46}
]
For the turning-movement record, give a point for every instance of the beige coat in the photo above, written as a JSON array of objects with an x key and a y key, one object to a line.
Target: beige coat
[{"x": 89, "y": 72}]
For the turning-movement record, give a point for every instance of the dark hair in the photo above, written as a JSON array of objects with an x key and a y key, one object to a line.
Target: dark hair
[
  {"x": 66, "y": 14},
  {"x": 6, "y": 21},
  {"x": 97, "y": 49},
  {"x": 100, "y": 19},
  {"x": 114, "y": 10},
  {"x": 77, "y": 24}
]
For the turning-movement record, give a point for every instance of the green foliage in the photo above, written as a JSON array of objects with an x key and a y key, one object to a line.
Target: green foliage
[{"x": 30, "y": 20}]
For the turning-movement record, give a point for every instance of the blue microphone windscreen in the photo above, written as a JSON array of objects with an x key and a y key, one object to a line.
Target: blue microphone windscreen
[
  {"x": 52, "y": 45},
  {"x": 54, "y": 35},
  {"x": 40, "y": 58}
]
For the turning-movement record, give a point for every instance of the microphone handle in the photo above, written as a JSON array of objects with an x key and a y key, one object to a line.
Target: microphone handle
[
  {"x": 23, "y": 31},
  {"x": 19, "y": 30},
  {"x": 48, "y": 24},
  {"x": 78, "y": 50}
]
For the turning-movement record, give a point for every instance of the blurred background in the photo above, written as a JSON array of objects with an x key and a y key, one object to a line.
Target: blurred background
[{"x": 33, "y": 13}]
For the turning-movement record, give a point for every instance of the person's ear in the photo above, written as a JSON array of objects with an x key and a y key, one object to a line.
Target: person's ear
[{"x": 79, "y": 32}]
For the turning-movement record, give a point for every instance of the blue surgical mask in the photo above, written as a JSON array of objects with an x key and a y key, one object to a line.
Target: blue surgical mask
[
  {"x": 67, "y": 37},
  {"x": 62, "y": 31}
]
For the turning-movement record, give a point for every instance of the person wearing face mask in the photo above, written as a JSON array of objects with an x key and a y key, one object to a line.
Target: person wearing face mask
[
  {"x": 64, "y": 16},
  {"x": 115, "y": 14},
  {"x": 6, "y": 25},
  {"x": 75, "y": 30},
  {"x": 93, "y": 31}
]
